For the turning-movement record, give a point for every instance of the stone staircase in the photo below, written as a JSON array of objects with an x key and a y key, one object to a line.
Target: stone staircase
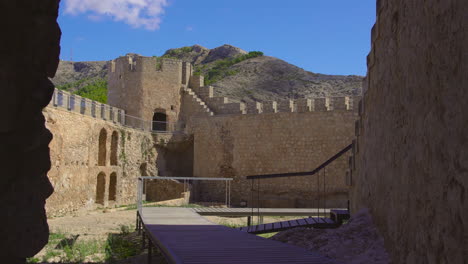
[{"x": 199, "y": 101}]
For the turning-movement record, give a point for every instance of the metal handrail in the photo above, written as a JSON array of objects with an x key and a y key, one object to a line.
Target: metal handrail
[
  {"x": 295, "y": 174},
  {"x": 141, "y": 179},
  {"x": 306, "y": 173}
]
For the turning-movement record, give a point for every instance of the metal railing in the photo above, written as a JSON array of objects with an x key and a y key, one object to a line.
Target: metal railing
[
  {"x": 186, "y": 180},
  {"x": 320, "y": 168},
  {"x": 85, "y": 106}
]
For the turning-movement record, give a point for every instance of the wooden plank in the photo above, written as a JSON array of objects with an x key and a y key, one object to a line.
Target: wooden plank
[
  {"x": 311, "y": 221},
  {"x": 293, "y": 223},
  {"x": 262, "y": 211},
  {"x": 260, "y": 228},
  {"x": 302, "y": 222},
  {"x": 285, "y": 224},
  {"x": 186, "y": 243},
  {"x": 320, "y": 220},
  {"x": 277, "y": 225}
]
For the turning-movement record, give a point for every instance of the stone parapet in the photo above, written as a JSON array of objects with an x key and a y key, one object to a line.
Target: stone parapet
[
  {"x": 286, "y": 106},
  {"x": 85, "y": 106},
  {"x": 270, "y": 107}
]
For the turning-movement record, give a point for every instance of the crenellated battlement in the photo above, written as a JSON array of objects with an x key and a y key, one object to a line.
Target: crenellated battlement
[
  {"x": 136, "y": 63},
  {"x": 223, "y": 105},
  {"x": 85, "y": 106}
]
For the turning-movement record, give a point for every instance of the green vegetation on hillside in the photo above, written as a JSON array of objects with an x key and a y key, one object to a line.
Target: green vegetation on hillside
[
  {"x": 221, "y": 68},
  {"x": 173, "y": 53},
  {"x": 92, "y": 89},
  {"x": 71, "y": 85}
]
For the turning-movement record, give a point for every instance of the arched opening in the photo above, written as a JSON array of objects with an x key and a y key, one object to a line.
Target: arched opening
[
  {"x": 100, "y": 188},
  {"x": 102, "y": 148},
  {"x": 112, "y": 186},
  {"x": 159, "y": 122},
  {"x": 114, "y": 142}
]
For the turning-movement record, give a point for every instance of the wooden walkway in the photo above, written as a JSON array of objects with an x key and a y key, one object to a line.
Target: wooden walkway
[
  {"x": 185, "y": 237},
  {"x": 315, "y": 222},
  {"x": 262, "y": 211}
]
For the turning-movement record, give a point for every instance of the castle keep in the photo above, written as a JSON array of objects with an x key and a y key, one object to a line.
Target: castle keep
[{"x": 162, "y": 120}]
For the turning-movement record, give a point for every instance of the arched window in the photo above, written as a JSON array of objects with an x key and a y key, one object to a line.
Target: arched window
[
  {"x": 159, "y": 122},
  {"x": 102, "y": 148},
  {"x": 100, "y": 188},
  {"x": 112, "y": 186},
  {"x": 114, "y": 143}
]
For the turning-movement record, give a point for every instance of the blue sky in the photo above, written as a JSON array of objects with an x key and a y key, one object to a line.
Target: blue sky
[{"x": 322, "y": 36}]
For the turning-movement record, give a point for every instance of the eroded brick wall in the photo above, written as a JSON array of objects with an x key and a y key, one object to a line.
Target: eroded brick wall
[
  {"x": 78, "y": 141},
  {"x": 412, "y": 158}
]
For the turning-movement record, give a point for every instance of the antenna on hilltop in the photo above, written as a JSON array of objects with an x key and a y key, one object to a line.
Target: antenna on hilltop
[{"x": 71, "y": 55}]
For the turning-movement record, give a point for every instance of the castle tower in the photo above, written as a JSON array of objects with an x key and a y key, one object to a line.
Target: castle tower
[{"x": 148, "y": 88}]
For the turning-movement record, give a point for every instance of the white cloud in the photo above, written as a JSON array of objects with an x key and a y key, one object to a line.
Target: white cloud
[{"x": 137, "y": 13}]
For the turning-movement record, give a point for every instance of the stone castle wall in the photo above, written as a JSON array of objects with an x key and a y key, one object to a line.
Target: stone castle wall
[
  {"x": 225, "y": 106},
  {"x": 236, "y": 146},
  {"x": 218, "y": 139},
  {"x": 145, "y": 85},
  {"x": 412, "y": 136},
  {"x": 78, "y": 158}
]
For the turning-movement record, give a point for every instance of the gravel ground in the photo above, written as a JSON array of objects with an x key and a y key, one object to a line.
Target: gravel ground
[{"x": 356, "y": 242}]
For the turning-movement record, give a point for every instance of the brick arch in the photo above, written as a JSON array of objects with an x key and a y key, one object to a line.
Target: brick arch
[
  {"x": 102, "y": 152},
  {"x": 113, "y": 148},
  {"x": 100, "y": 188}
]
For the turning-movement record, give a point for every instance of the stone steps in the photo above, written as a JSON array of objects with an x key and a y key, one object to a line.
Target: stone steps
[{"x": 198, "y": 100}]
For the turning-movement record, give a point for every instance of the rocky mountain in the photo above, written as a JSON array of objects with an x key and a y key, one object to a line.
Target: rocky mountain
[
  {"x": 235, "y": 73},
  {"x": 73, "y": 76}
]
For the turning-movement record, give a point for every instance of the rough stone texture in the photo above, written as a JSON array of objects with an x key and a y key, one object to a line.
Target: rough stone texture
[
  {"x": 223, "y": 52},
  {"x": 241, "y": 145},
  {"x": 356, "y": 242},
  {"x": 144, "y": 85},
  {"x": 412, "y": 158},
  {"x": 71, "y": 72},
  {"x": 75, "y": 168},
  {"x": 29, "y": 50}
]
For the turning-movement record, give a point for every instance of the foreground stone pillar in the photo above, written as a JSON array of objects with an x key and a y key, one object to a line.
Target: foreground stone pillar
[{"x": 29, "y": 50}]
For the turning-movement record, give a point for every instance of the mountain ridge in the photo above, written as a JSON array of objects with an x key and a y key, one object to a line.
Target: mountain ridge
[{"x": 233, "y": 72}]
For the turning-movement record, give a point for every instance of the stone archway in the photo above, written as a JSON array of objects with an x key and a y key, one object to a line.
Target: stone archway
[
  {"x": 102, "y": 148},
  {"x": 100, "y": 188},
  {"x": 113, "y": 187},
  {"x": 113, "y": 149}
]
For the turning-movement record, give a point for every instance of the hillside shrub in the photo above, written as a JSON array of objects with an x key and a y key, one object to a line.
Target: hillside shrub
[
  {"x": 96, "y": 90},
  {"x": 220, "y": 70}
]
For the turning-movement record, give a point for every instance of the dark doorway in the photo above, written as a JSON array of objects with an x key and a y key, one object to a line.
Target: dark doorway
[
  {"x": 114, "y": 143},
  {"x": 159, "y": 122},
  {"x": 100, "y": 188},
  {"x": 113, "y": 186},
  {"x": 102, "y": 148}
]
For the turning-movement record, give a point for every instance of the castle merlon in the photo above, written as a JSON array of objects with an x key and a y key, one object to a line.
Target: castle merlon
[
  {"x": 85, "y": 106},
  {"x": 223, "y": 105},
  {"x": 129, "y": 64}
]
